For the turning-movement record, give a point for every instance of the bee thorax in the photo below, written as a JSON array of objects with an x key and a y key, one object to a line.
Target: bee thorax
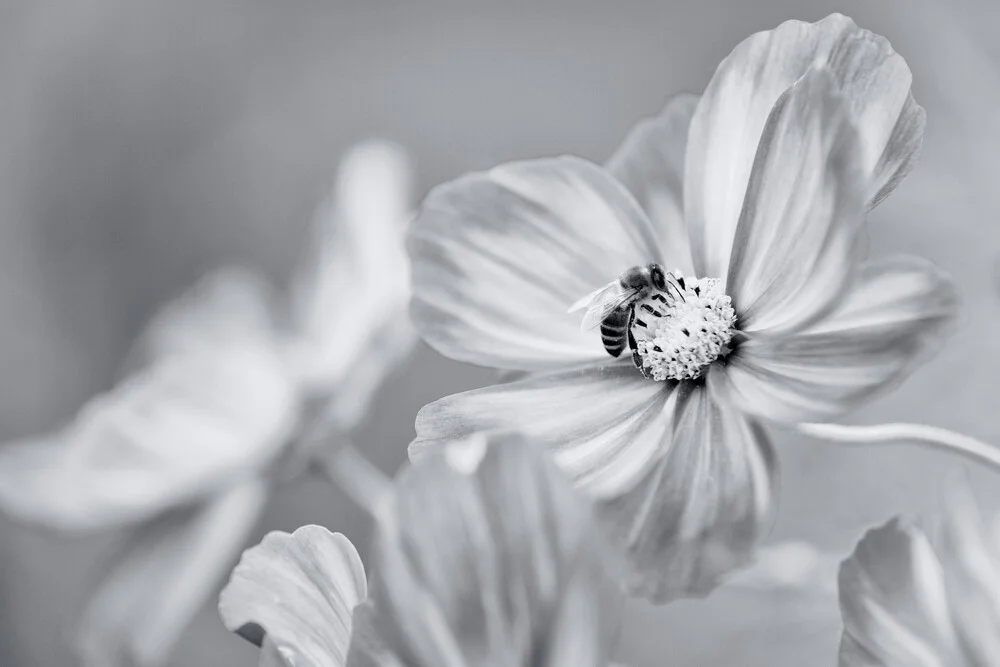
[{"x": 678, "y": 333}]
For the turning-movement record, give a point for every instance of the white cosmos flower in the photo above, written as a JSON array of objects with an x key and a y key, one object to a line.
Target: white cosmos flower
[
  {"x": 484, "y": 556},
  {"x": 755, "y": 194},
  {"x": 184, "y": 452},
  {"x": 915, "y": 597}
]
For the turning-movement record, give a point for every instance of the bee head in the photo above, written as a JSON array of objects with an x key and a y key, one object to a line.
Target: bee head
[{"x": 635, "y": 277}]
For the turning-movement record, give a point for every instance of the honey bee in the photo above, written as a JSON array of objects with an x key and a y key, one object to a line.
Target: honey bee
[{"x": 613, "y": 306}]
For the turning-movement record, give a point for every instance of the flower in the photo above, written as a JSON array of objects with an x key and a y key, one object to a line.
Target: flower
[
  {"x": 226, "y": 396},
  {"x": 923, "y": 596},
  {"x": 754, "y": 196},
  {"x": 484, "y": 555}
]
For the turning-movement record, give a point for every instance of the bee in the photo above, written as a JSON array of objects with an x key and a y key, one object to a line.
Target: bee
[{"x": 613, "y": 306}]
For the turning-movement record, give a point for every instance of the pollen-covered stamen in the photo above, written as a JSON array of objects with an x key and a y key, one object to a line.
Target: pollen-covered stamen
[{"x": 680, "y": 332}]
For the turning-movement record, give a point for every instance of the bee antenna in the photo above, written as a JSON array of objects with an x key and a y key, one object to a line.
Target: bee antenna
[{"x": 675, "y": 283}]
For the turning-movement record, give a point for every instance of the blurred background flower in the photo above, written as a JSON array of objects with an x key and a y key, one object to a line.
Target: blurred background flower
[
  {"x": 232, "y": 389},
  {"x": 924, "y": 595},
  {"x": 143, "y": 144}
]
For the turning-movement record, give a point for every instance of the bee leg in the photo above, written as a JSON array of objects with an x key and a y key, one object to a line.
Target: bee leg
[{"x": 636, "y": 359}]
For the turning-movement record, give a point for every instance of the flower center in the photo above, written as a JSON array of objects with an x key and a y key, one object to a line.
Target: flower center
[{"x": 678, "y": 334}]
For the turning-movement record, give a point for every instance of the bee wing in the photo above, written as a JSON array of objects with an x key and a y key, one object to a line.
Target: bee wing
[
  {"x": 595, "y": 315},
  {"x": 598, "y": 295},
  {"x": 601, "y": 302}
]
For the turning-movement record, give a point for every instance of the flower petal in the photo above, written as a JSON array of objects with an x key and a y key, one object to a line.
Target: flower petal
[
  {"x": 300, "y": 590},
  {"x": 892, "y": 317},
  {"x": 685, "y": 484},
  {"x": 796, "y": 243},
  {"x": 893, "y": 601},
  {"x": 487, "y": 556},
  {"x": 171, "y": 434},
  {"x": 701, "y": 509},
  {"x": 901, "y": 151},
  {"x": 164, "y": 577},
  {"x": 356, "y": 280},
  {"x": 499, "y": 256},
  {"x": 229, "y": 305},
  {"x": 604, "y": 425},
  {"x": 972, "y": 577},
  {"x": 650, "y": 163},
  {"x": 731, "y": 115}
]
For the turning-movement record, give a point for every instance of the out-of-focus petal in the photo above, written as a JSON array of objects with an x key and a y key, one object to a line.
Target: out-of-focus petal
[
  {"x": 227, "y": 306},
  {"x": 604, "y": 425},
  {"x": 387, "y": 349},
  {"x": 499, "y": 256},
  {"x": 300, "y": 590},
  {"x": 346, "y": 404},
  {"x": 650, "y": 163},
  {"x": 580, "y": 634},
  {"x": 699, "y": 512},
  {"x": 356, "y": 281},
  {"x": 972, "y": 577},
  {"x": 894, "y": 604},
  {"x": 793, "y": 566},
  {"x": 163, "y": 578},
  {"x": 270, "y": 656},
  {"x": 796, "y": 243},
  {"x": 730, "y": 118},
  {"x": 181, "y": 429},
  {"x": 893, "y": 315},
  {"x": 367, "y": 648},
  {"x": 487, "y": 556}
]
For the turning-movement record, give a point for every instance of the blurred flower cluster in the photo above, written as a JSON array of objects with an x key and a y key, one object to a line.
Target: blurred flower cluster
[
  {"x": 232, "y": 389},
  {"x": 720, "y": 257}
]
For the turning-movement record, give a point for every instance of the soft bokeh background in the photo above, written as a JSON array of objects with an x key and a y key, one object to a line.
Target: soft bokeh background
[{"x": 143, "y": 142}]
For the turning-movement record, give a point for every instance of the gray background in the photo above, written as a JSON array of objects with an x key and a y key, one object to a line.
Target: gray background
[{"x": 143, "y": 142}]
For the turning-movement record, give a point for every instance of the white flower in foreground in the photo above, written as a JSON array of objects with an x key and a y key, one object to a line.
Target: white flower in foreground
[
  {"x": 754, "y": 196},
  {"x": 484, "y": 556},
  {"x": 185, "y": 451},
  {"x": 916, "y": 598}
]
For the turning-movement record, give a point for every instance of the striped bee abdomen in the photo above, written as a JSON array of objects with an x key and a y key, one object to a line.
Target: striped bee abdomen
[{"x": 614, "y": 329}]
